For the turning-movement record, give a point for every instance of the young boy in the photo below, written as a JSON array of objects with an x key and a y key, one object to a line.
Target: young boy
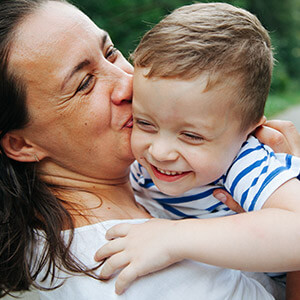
[{"x": 202, "y": 76}]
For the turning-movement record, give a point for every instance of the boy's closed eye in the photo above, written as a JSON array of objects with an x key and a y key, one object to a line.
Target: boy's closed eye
[
  {"x": 144, "y": 125},
  {"x": 192, "y": 137}
]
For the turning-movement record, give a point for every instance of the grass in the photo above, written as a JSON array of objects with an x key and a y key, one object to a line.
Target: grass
[{"x": 277, "y": 103}]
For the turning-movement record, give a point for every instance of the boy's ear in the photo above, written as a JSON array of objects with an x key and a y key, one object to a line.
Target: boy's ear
[
  {"x": 18, "y": 148},
  {"x": 262, "y": 120}
]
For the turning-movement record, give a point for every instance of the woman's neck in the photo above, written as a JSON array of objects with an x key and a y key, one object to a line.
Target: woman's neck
[{"x": 92, "y": 200}]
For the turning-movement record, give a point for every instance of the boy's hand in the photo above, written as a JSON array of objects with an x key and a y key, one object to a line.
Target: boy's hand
[{"x": 138, "y": 249}]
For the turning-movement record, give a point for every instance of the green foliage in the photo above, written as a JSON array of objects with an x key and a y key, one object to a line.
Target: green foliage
[
  {"x": 282, "y": 19},
  {"x": 278, "y": 102},
  {"x": 127, "y": 20},
  {"x": 280, "y": 80}
]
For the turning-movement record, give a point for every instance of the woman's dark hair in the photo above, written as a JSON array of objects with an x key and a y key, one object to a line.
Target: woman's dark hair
[{"x": 27, "y": 206}]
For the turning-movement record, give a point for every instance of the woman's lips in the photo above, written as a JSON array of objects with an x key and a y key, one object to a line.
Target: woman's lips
[
  {"x": 129, "y": 123},
  {"x": 167, "y": 177}
]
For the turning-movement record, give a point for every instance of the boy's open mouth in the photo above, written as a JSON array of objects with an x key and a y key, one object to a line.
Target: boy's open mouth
[
  {"x": 169, "y": 172},
  {"x": 167, "y": 175}
]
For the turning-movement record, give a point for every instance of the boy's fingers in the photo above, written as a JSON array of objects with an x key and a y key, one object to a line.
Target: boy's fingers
[
  {"x": 227, "y": 199},
  {"x": 113, "y": 264},
  {"x": 125, "y": 278},
  {"x": 109, "y": 249},
  {"x": 116, "y": 231}
]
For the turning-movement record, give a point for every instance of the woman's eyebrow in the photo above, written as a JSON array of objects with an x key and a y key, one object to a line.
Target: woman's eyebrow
[
  {"x": 104, "y": 39},
  {"x": 83, "y": 63}
]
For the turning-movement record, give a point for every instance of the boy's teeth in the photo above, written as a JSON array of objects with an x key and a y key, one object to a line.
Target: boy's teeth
[{"x": 168, "y": 172}]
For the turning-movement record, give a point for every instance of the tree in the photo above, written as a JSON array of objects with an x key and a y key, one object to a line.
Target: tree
[{"x": 127, "y": 21}]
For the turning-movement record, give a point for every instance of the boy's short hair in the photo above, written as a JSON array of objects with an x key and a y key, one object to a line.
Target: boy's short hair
[{"x": 217, "y": 38}]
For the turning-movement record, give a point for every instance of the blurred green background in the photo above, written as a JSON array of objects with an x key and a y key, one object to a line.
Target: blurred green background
[{"x": 127, "y": 20}]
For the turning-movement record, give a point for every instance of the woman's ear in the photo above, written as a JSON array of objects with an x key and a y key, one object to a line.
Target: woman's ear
[{"x": 18, "y": 148}]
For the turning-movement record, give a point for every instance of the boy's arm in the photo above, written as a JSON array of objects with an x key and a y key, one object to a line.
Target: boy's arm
[{"x": 267, "y": 240}]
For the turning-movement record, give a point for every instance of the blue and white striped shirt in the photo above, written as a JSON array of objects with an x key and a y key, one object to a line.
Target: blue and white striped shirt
[{"x": 253, "y": 176}]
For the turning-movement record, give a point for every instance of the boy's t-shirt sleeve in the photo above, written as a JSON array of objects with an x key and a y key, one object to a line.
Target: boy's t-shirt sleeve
[{"x": 257, "y": 172}]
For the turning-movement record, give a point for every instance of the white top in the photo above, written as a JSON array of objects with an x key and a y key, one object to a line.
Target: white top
[
  {"x": 253, "y": 176},
  {"x": 184, "y": 280}
]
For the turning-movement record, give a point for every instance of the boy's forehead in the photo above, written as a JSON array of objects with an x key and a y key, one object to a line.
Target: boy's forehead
[
  {"x": 210, "y": 78},
  {"x": 141, "y": 71},
  {"x": 199, "y": 101},
  {"x": 225, "y": 87},
  {"x": 141, "y": 74}
]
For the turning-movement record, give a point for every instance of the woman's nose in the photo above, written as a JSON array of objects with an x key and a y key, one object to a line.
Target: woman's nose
[{"x": 123, "y": 88}]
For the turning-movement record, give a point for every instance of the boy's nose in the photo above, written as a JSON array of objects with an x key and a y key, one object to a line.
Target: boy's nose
[{"x": 162, "y": 152}]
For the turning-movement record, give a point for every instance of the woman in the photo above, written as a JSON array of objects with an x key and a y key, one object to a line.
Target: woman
[{"x": 65, "y": 154}]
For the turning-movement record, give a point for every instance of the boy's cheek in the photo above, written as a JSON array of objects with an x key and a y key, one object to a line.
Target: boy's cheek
[
  {"x": 133, "y": 136},
  {"x": 137, "y": 144}
]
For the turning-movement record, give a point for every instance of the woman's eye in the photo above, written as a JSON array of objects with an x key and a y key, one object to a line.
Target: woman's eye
[
  {"x": 111, "y": 53},
  {"x": 86, "y": 84}
]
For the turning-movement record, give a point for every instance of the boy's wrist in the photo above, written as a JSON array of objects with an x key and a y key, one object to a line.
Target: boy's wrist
[{"x": 181, "y": 237}]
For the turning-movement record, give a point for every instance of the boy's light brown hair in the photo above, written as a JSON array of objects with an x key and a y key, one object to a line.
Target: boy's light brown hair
[{"x": 217, "y": 38}]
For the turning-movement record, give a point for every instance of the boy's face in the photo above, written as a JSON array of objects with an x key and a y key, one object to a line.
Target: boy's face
[{"x": 184, "y": 136}]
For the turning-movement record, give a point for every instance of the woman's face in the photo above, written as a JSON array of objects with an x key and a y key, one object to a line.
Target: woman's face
[{"x": 79, "y": 90}]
